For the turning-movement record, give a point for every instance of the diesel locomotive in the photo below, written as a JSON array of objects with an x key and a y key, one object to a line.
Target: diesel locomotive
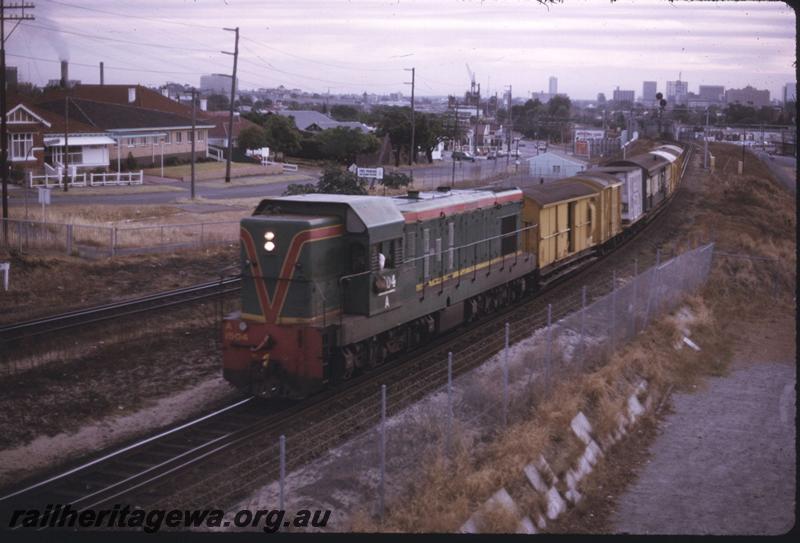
[{"x": 333, "y": 285}]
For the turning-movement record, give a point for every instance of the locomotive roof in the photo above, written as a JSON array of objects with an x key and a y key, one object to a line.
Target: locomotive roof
[
  {"x": 377, "y": 216},
  {"x": 558, "y": 191},
  {"x": 428, "y": 205}
]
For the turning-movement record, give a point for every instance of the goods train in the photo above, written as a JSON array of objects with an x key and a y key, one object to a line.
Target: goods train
[{"x": 333, "y": 285}]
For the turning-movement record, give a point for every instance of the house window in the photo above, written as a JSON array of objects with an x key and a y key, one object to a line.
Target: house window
[
  {"x": 200, "y": 135},
  {"x": 167, "y": 138},
  {"x": 21, "y": 145},
  {"x": 178, "y": 137},
  {"x": 75, "y": 155},
  {"x": 556, "y": 168},
  {"x": 131, "y": 141}
]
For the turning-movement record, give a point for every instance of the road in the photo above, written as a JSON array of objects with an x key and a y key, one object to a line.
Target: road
[{"x": 784, "y": 168}]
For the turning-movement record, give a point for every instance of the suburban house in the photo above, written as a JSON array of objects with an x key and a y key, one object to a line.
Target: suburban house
[
  {"x": 218, "y": 135},
  {"x": 148, "y": 136},
  {"x": 314, "y": 121},
  {"x": 554, "y": 165},
  {"x": 36, "y": 141}
]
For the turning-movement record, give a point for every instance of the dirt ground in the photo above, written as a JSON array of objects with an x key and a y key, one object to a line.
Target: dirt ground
[
  {"x": 45, "y": 285},
  {"x": 58, "y": 402}
]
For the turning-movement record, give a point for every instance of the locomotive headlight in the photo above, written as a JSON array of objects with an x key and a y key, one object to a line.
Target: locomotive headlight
[
  {"x": 269, "y": 246},
  {"x": 269, "y": 236}
]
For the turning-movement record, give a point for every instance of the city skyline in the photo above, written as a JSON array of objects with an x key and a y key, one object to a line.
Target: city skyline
[{"x": 353, "y": 47}]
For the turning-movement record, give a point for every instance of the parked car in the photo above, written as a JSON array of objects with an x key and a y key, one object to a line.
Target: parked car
[{"x": 463, "y": 155}]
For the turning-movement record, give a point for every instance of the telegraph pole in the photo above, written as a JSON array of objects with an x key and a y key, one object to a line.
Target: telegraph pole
[
  {"x": 705, "y": 144},
  {"x": 453, "y": 150},
  {"x": 510, "y": 129},
  {"x": 413, "y": 155},
  {"x": 66, "y": 143},
  {"x": 194, "y": 133},
  {"x": 12, "y": 15},
  {"x": 233, "y": 95}
]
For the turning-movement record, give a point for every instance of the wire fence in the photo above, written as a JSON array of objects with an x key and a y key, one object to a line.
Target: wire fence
[
  {"x": 463, "y": 174},
  {"x": 95, "y": 241},
  {"x": 461, "y": 408}
]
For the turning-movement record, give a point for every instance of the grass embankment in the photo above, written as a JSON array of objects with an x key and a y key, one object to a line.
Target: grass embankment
[
  {"x": 745, "y": 215},
  {"x": 204, "y": 169}
]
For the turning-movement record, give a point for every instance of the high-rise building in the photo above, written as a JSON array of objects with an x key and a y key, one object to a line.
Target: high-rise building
[
  {"x": 677, "y": 92},
  {"x": 553, "y": 85},
  {"x": 748, "y": 96},
  {"x": 217, "y": 84},
  {"x": 711, "y": 93},
  {"x": 790, "y": 92},
  {"x": 623, "y": 96},
  {"x": 649, "y": 89}
]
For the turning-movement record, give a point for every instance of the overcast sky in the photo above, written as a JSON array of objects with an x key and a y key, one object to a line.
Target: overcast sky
[{"x": 591, "y": 46}]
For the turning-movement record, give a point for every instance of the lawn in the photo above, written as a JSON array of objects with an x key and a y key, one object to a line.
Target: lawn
[{"x": 201, "y": 169}]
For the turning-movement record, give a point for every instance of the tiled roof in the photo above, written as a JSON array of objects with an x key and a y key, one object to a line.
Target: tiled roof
[
  {"x": 303, "y": 119},
  {"x": 106, "y": 116}
]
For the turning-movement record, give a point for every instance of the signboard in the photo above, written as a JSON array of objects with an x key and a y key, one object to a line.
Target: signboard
[
  {"x": 370, "y": 173},
  {"x": 587, "y": 135},
  {"x": 44, "y": 196},
  {"x": 582, "y": 148}
]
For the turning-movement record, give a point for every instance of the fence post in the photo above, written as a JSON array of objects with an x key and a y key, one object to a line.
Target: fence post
[
  {"x": 583, "y": 322},
  {"x": 635, "y": 287},
  {"x": 549, "y": 343},
  {"x": 653, "y": 285},
  {"x": 383, "y": 449},
  {"x": 69, "y": 239},
  {"x": 505, "y": 378},
  {"x": 449, "y": 403},
  {"x": 613, "y": 310},
  {"x": 282, "y": 474},
  {"x": 113, "y": 240}
]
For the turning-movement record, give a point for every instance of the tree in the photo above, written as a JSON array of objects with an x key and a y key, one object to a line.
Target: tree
[
  {"x": 344, "y": 113},
  {"x": 296, "y": 188},
  {"x": 281, "y": 134},
  {"x": 395, "y": 180},
  {"x": 218, "y": 102},
  {"x": 251, "y": 137},
  {"x": 342, "y": 144}
]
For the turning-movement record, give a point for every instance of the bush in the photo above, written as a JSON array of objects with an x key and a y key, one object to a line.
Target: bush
[
  {"x": 296, "y": 188},
  {"x": 130, "y": 162},
  {"x": 395, "y": 180}
]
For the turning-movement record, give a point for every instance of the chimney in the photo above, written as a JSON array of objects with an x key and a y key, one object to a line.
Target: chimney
[
  {"x": 131, "y": 95},
  {"x": 203, "y": 104},
  {"x": 102, "y": 79},
  {"x": 64, "y": 74}
]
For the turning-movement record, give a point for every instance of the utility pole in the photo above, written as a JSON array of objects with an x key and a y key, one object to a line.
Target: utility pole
[
  {"x": 510, "y": 129},
  {"x": 477, "y": 118},
  {"x": 453, "y": 150},
  {"x": 12, "y": 15},
  {"x": 66, "y": 143},
  {"x": 233, "y": 95},
  {"x": 194, "y": 133},
  {"x": 413, "y": 155},
  {"x": 705, "y": 144}
]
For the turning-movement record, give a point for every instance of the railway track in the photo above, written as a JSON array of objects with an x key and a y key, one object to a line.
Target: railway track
[
  {"x": 186, "y": 468},
  {"x": 91, "y": 315}
]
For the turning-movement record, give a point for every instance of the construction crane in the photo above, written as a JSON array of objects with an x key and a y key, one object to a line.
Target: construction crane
[{"x": 472, "y": 79}]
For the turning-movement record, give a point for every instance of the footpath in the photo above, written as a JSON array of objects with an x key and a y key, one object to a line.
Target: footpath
[{"x": 724, "y": 461}]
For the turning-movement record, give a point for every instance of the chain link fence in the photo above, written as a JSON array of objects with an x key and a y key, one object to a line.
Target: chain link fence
[
  {"x": 101, "y": 241},
  {"x": 464, "y": 402}
]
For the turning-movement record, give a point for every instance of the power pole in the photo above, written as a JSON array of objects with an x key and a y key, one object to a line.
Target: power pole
[
  {"x": 12, "y": 15},
  {"x": 66, "y": 143},
  {"x": 413, "y": 155},
  {"x": 510, "y": 129},
  {"x": 233, "y": 95},
  {"x": 453, "y": 150},
  {"x": 194, "y": 133},
  {"x": 477, "y": 118},
  {"x": 705, "y": 144}
]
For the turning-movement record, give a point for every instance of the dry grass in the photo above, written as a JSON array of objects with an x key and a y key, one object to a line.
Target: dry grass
[{"x": 441, "y": 502}]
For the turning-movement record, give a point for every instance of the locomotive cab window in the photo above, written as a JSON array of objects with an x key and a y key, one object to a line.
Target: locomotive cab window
[
  {"x": 508, "y": 225},
  {"x": 358, "y": 258}
]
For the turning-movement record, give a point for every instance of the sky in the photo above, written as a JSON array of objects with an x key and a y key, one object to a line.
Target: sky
[{"x": 355, "y": 46}]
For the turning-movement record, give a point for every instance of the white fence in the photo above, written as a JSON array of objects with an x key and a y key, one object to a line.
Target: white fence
[
  {"x": 215, "y": 152},
  {"x": 93, "y": 179},
  {"x": 286, "y": 167}
]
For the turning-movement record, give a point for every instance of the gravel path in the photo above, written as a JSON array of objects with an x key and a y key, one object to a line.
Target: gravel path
[{"x": 724, "y": 462}]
